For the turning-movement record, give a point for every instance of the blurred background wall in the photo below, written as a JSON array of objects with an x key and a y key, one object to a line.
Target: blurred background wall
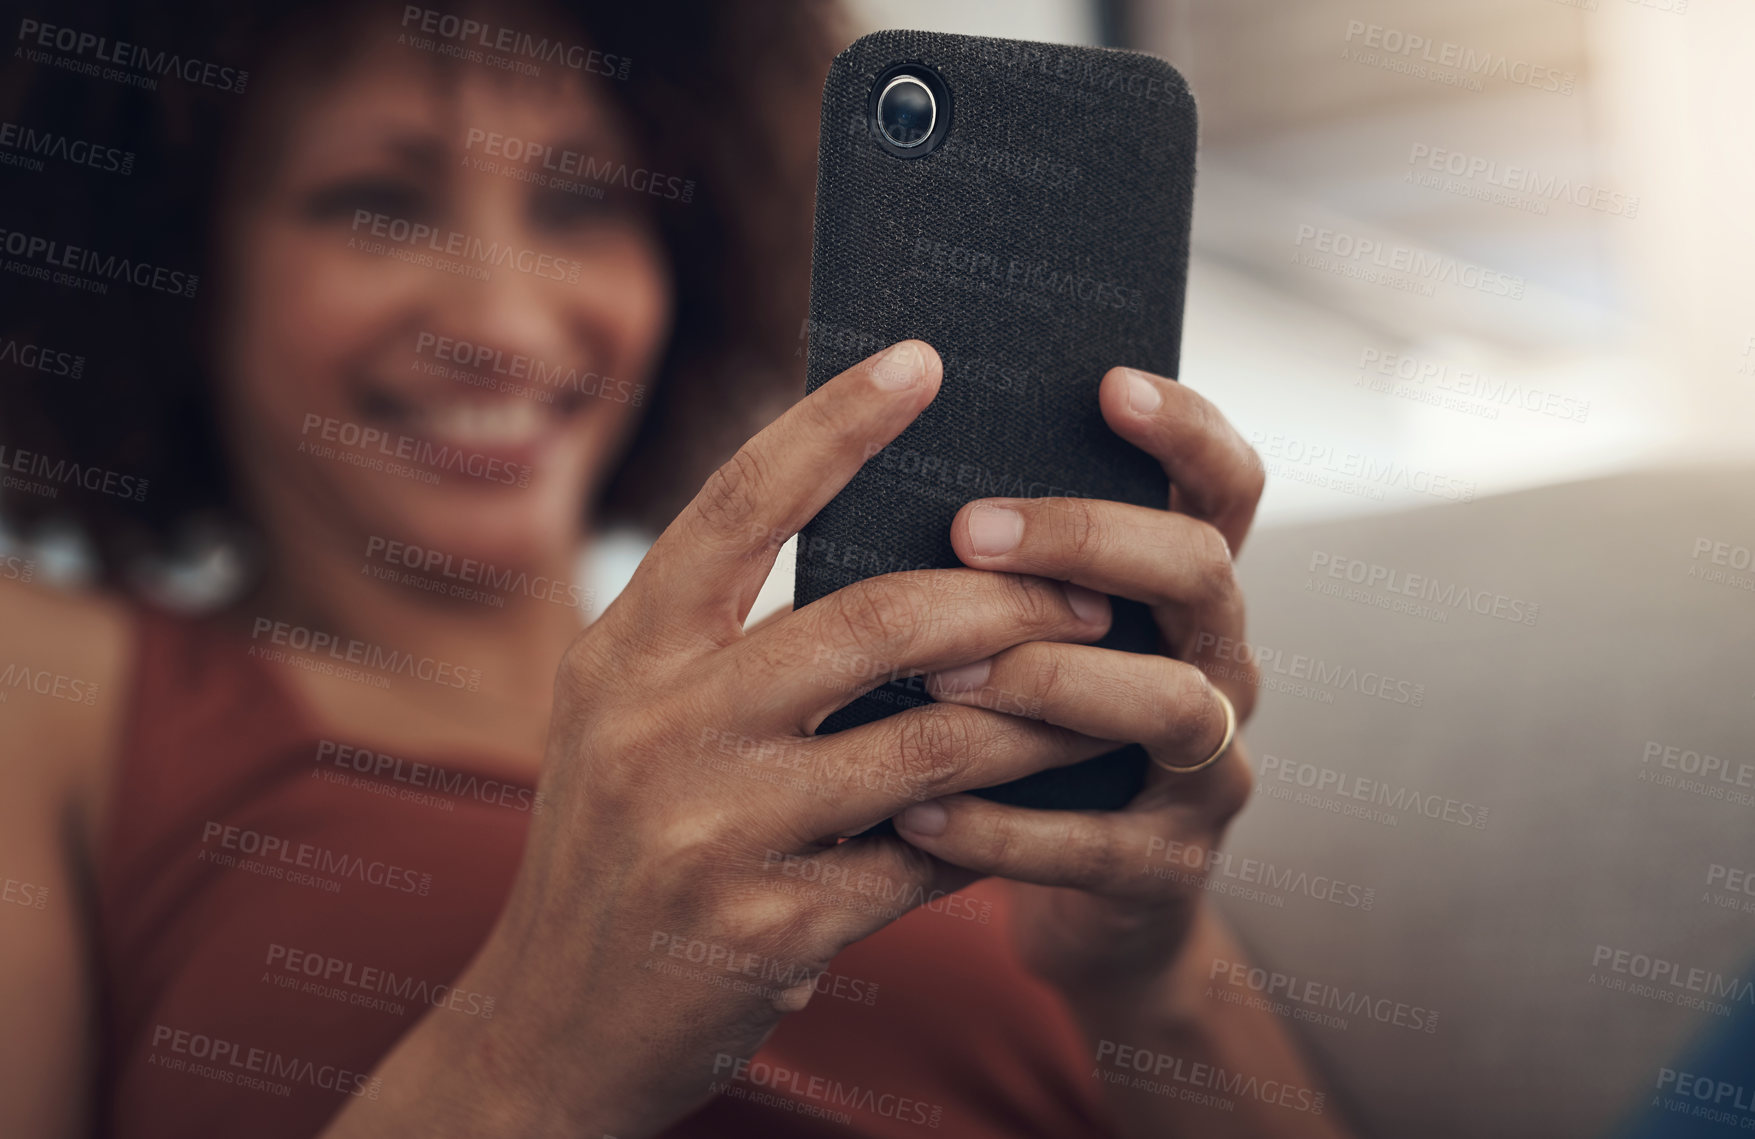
[{"x": 1595, "y": 156}]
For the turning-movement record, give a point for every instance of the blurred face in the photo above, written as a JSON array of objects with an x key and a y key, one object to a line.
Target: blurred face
[{"x": 423, "y": 342}]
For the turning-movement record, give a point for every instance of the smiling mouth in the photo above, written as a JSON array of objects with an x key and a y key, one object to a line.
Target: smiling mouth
[{"x": 515, "y": 428}]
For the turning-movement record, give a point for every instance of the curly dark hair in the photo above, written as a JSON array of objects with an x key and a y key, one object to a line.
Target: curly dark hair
[{"x": 721, "y": 92}]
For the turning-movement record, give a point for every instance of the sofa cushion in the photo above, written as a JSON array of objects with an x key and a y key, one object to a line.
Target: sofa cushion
[{"x": 1501, "y": 748}]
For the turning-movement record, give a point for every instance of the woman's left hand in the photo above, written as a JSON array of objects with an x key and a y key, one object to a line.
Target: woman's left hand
[{"x": 1116, "y": 892}]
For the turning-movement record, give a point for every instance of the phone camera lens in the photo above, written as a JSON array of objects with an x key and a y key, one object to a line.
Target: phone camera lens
[
  {"x": 906, "y": 111},
  {"x": 909, "y": 110}
]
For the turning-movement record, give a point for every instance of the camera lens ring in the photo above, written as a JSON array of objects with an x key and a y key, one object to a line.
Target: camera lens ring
[
  {"x": 908, "y": 83},
  {"x": 906, "y": 138}
]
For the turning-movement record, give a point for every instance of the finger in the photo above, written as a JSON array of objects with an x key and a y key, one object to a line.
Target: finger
[
  {"x": 822, "y": 657},
  {"x": 1215, "y": 474},
  {"x": 1166, "y": 706},
  {"x": 1100, "y": 851},
  {"x": 861, "y": 885},
  {"x": 1169, "y": 561},
  {"x": 1169, "y": 707},
  {"x": 716, "y": 554},
  {"x": 921, "y": 753}
]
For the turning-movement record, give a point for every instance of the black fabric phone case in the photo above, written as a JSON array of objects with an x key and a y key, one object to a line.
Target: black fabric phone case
[{"x": 1043, "y": 242}]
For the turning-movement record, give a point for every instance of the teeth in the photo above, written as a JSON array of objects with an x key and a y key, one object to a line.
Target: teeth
[{"x": 472, "y": 424}]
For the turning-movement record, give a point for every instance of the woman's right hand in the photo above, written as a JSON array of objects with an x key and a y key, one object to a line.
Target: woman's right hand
[{"x": 675, "y": 899}]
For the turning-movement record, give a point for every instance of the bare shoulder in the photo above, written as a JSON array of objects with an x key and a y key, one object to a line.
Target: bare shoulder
[
  {"x": 64, "y": 680},
  {"x": 64, "y": 664}
]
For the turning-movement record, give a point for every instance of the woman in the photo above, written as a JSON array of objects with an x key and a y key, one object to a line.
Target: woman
[{"x": 385, "y": 844}]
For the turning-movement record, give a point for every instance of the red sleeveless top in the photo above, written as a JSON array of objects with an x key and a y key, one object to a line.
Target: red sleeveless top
[{"x": 276, "y": 909}]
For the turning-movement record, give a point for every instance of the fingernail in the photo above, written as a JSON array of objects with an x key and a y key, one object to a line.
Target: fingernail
[
  {"x": 1143, "y": 396},
  {"x": 901, "y": 366},
  {"x": 994, "y": 530},
  {"x": 963, "y": 678},
  {"x": 928, "y": 818},
  {"x": 1085, "y": 603}
]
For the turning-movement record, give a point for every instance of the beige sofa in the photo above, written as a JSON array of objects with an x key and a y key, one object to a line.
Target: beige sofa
[{"x": 1609, "y": 737}]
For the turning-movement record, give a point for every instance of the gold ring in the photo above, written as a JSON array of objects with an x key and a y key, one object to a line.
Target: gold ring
[{"x": 1224, "y": 744}]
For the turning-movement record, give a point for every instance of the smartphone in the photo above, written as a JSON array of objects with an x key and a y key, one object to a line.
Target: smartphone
[{"x": 1024, "y": 208}]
